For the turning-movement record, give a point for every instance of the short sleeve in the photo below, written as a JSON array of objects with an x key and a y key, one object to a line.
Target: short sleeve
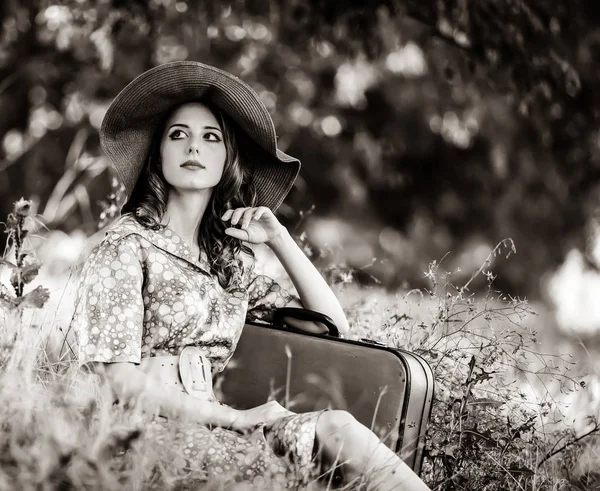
[
  {"x": 110, "y": 309},
  {"x": 265, "y": 295}
]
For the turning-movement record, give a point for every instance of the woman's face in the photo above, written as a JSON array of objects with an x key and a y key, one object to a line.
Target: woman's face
[{"x": 192, "y": 150}]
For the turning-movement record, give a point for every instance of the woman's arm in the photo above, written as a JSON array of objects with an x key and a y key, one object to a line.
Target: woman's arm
[
  {"x": 132, "y": 385},
  {"x": 313, "y": 290},
  {"x": 136, "y": 387},
  {"x": 259, "y": 225}
]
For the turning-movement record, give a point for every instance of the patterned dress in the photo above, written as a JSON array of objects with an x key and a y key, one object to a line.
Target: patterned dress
[{"x": 144, "y": 294}]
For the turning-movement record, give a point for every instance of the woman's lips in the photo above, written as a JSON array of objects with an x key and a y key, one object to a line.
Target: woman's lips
[{"x": 193, "y": 164}]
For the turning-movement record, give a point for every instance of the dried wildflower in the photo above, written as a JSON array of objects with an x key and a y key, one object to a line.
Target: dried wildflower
[
  {"x": 25, "y": 268},
  {"x": 35, "y": 298},
  {"x": 22, "y": 208}
]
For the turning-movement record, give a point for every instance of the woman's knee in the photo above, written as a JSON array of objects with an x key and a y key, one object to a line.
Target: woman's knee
[{"x": 335, "y": 423}]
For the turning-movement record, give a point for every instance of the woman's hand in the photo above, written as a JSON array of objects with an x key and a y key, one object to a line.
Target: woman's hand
[
  {"x": 266, "y": 413},
  {"x": 256, "y": 225}
]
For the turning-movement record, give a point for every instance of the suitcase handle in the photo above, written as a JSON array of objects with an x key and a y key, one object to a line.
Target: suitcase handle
[{"x": 305, "y": 315}]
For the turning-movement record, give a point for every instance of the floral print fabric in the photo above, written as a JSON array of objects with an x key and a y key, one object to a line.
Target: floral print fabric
[
  {"x": 143, "y": 293},
  {"x": 276, "y": 456}
]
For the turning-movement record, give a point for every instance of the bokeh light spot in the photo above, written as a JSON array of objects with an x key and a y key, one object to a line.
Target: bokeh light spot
[
  {"x": 235, "y": 33},
  {"x": 351, "y": 82},
  {"x": 269, "y": 99},
  {"x": 96, "y": 116},
  {"x": 181, "y": 7},
  {"x": 212, "y": 32},
  {"x": 331, "y": 126},
  {"x": 13, "y": 143},
  {"x": 300, "y": 115},
  {"x": 408, "y": 61}
]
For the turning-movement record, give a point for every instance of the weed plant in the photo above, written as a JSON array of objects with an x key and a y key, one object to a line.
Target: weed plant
[
  {"x": 496, "y": 422},
  {"x": 498, "y": 417}
]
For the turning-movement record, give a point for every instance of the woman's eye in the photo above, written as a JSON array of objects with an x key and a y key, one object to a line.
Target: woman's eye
[
  {"x": 213, "y": 137},
  {"x": 176, "y": 132}
]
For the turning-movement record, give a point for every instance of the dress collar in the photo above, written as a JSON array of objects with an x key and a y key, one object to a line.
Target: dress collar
[{"x": 165, "y": 239}]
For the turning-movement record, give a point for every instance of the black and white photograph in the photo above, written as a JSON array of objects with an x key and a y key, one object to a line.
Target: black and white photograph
[{"x": 263, "y": 245}]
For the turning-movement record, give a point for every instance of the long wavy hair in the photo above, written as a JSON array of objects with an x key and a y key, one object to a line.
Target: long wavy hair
[{"x": 148, "y": 202}]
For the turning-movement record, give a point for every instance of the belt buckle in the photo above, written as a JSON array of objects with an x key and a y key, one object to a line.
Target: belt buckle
[{"x": 195, "y": 372}]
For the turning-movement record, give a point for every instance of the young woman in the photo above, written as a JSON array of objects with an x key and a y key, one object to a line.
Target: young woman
[{"x": 196, "y": 151}]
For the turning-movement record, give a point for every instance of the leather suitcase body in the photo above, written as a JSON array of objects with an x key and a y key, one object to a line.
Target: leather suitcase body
[{"x": 387, "y": 390}]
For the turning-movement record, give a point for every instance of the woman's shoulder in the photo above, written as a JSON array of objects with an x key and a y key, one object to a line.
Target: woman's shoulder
[
  {"x": 126, "y": 227},
  {"x": 125, "y": 232}
]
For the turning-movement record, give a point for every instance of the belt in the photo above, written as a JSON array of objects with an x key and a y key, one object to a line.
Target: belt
[{"x": 189, "y": 372}]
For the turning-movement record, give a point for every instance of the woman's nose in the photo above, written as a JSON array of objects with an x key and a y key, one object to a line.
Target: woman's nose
[{"x": 194, "y": 149}]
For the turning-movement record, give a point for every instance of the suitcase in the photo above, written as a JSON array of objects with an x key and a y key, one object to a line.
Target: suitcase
[{"x": 387, "y": 390}]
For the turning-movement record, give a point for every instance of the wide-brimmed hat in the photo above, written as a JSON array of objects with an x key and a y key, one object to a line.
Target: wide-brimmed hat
[{"x": 132, "y": 118}]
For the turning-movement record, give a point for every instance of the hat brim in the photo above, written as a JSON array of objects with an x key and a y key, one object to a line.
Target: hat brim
[{"x": 131, "y": 120}]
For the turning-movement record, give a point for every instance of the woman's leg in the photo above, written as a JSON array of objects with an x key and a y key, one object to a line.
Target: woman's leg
[{"x": 343, "y": 440}]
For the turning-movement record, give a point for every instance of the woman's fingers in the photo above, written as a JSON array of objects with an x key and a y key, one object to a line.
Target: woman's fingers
[
  {"x": 260, "y": 211},
  {"x": 247, "y": 217},
  {"x": 237, "y": 214},
  {"x": 238, "y": 233},
  {"x": 244, "y": 215}
]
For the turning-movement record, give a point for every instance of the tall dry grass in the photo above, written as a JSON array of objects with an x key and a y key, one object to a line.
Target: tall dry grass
[{"x": 503, "y": 416}]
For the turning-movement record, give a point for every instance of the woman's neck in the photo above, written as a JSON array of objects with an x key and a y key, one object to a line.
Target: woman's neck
[{"x": 184, "y": 214}]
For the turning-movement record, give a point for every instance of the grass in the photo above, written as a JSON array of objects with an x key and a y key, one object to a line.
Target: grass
[{"x": 511, "y": 411}]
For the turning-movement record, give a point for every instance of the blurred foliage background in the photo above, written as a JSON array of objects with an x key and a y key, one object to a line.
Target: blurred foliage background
[{"x": 423, "y": 126}]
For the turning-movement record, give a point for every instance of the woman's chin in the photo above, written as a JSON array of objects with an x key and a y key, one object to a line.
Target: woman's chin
[{"x": 192, "y": 186}]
